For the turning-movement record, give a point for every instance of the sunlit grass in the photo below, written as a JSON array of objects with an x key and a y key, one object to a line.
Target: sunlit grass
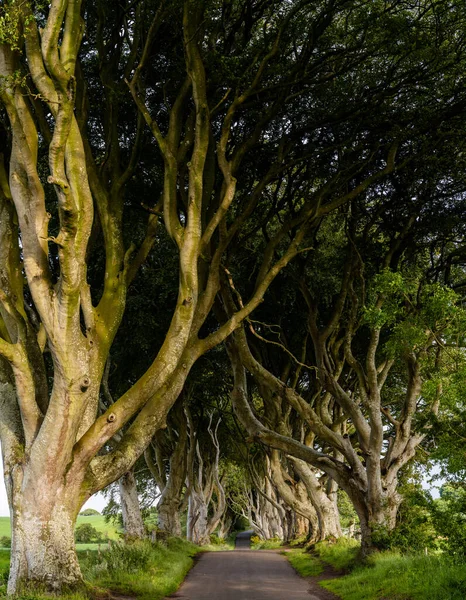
[
  {"x": 148, "y": 571},
  {"x": 394, "y": 577},
  {"x": 305, "y": 564},
  {"x": 340, "y": 554},
  {"x": 258, "y": 544}
]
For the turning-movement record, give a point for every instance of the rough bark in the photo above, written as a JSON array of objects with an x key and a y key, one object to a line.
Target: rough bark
[
  {"x": 43, "y": 545},
  {"x": 133, "y": 524}
]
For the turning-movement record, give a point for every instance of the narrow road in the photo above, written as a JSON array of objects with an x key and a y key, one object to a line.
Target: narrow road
[{"x": 245, "y": 574}]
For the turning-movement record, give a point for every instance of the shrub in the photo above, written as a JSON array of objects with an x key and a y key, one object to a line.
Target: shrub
[
  {"x": 5, "y": 541},
  {"x": 89, "y": 512},
  {"x": 87, "y": 534}
]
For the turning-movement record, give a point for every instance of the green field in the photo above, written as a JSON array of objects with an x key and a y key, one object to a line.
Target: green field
[{"x": 98, "y": 521}]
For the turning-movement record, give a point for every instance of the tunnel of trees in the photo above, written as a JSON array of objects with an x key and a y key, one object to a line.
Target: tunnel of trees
[{"x": 232, "y": 264}]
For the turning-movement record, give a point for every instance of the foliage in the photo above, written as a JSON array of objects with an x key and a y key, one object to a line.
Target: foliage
[
  {"x": 87, "y": 534},
  {"x": 5, "y": 541},
  {"x": 348, "y": 515},
  {"x": 449, "y": 518},
  {"x": 415, "y": 528},
  {"x": 390, "y": 575},
  {"x": 89, "y": 512}
]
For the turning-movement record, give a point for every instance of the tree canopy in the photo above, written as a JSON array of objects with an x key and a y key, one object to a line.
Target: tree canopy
[{"x": 166, "y": 169}]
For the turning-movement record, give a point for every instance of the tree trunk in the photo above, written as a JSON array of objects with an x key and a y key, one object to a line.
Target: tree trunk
[
  {"x": 377, "y": 519},
  {"x": 169, "y": 516},
  {"x": 43, "y": 546},
  {"x": 323, "y": 502},
  {"x": 198, "y": 532},
  {"x": 133, "y": 524}
]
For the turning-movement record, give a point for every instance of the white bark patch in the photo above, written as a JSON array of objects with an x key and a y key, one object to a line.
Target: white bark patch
[{"x": 43, "y": 550}]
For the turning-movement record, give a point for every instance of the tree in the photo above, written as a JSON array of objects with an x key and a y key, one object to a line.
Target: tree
[
  {"x": 232, "y": 93},
  {"x": 87, "y": 534},
  {"x": 370, "y": 382}
]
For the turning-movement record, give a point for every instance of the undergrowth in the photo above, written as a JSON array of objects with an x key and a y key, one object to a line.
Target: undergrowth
[{"x": 149, "y": 571}]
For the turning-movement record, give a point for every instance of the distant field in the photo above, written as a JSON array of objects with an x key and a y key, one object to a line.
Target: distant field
[{"x": 97, "y": 521}]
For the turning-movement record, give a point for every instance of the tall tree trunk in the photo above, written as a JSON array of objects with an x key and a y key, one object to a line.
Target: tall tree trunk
[
  {"x": 169, "y": 518},
  {"x": 325, "y": 506},
  {"x": 43, "y": 546},
  {"x": 133, "y": 524},
  {"x": 198, "y": 530},
  {"x": 377, "y": 519}
]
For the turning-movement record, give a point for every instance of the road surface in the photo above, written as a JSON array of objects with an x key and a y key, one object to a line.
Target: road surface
[{"x": 245, "y": 574}]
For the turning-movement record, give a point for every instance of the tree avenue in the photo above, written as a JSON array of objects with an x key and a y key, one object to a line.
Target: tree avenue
[{"x": 190, "y": 131}]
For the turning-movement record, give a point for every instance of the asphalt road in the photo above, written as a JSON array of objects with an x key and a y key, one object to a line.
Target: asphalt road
[{"x": 244, "y": 574}]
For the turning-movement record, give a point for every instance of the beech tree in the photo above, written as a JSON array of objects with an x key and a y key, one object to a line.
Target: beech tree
[
  {"x": 370, "y": 376},
  {"x": 262, "y": 114}
]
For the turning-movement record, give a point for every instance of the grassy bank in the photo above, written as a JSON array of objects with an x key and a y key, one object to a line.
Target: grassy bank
[
  {"x": 386, "y": 575},
  {"x": 148, "y": 571},
  {"x": 394, "y": 577}
]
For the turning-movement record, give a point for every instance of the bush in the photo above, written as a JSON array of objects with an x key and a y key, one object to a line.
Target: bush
[
  {"x": 5, "y": 541},
  {"x": 449, "y": 516},
  {"x": 87, "y": 534}
]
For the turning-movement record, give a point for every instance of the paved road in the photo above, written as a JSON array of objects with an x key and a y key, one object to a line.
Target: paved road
[{"x": 244, "y": 574}]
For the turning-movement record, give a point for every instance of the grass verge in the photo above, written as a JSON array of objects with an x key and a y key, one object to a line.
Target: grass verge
[
  {"x": 386, "y": 575},
  {"x": 148, "y": 571},
  {"x": 304, "y": 563},
  {"x": 394, "y": 577}
]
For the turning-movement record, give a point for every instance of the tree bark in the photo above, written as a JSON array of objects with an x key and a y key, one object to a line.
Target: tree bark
[
  {"x": 43, "y": 545},
  {"x": 133, "y": 524}
]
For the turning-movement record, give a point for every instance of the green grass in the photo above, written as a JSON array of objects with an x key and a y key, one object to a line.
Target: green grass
[
  {"x": 272, "y": 544},
  {"x": 220, "y": 545},
  {"x": 5, "y": 528},
  {"x": 341, "y": 554},
  {"x": 385, "y": 576},
  {"x": 108, "y": 530},
  {"x": 305, "y": 564},
  {"x": 148, "y": 571},
  {"x": 390, "y": 576}
]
